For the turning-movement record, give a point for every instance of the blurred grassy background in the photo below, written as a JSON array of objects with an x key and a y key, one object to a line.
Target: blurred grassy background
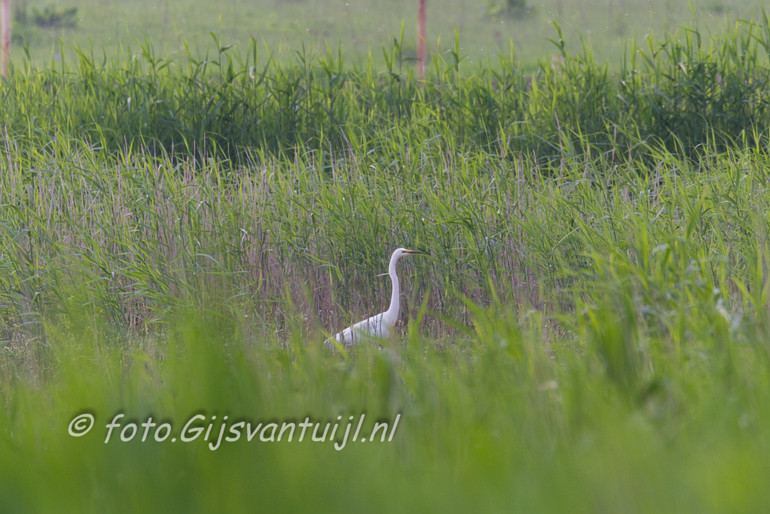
[{"x": 486, "y": 28}]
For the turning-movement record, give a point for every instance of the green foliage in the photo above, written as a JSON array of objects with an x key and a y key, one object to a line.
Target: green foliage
[
  {"x": 514, "y": 8},
  {"x": 51, "y": 17},
  {"x": 679, "y": 94}
]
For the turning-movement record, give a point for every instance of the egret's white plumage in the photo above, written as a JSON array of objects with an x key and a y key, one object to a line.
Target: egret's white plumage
[{"x": 380, "y": 324}]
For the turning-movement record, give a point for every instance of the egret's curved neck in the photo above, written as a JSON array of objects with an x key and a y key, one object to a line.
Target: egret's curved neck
[{"x": 395, "y": 295}]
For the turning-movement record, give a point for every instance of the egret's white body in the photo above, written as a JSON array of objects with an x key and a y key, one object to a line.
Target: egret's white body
[{"x": 380, "y": 324}]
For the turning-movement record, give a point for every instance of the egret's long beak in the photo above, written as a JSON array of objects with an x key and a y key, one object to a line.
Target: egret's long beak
[{"x": 416, "y": 252}]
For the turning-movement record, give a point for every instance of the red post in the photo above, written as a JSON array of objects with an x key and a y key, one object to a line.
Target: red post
[
  {"x": 421, "y": 39},
  {"x": 5, "y": 29}
]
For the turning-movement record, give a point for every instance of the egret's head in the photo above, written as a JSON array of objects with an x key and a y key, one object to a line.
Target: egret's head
[
  {"x": 404, "y": 251},
  {"x": 400, "y": 252}
]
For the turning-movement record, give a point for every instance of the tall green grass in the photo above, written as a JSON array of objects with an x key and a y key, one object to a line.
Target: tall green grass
[
  {"x": 590, "y": 332},
  {"x": 145, "y": 232},
  {"x": 683, "y": 90}
]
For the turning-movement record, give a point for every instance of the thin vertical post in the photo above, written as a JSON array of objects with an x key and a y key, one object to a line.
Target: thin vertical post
[
  {"x": 5, "y": 30},
  {"x": 421, "y": 39}
]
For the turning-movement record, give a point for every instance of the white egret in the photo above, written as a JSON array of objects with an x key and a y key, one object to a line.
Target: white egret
[{"x": 380, "y": 324}]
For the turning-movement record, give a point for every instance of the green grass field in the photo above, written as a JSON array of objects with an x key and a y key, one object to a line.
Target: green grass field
[{"x": 179, "y": 232}]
